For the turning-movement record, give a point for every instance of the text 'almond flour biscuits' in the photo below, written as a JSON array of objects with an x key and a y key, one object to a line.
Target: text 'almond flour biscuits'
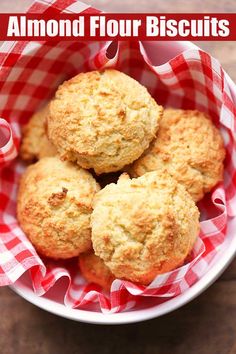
[
  {"x": 189, "y": 147},
  {"x": 144, "y": 227},
  {"x": 102, "y": 120},
  {"x": 95, "y": 271},
  {"x": 35, "y": 143},
  {"x": 54, "y": 207}
]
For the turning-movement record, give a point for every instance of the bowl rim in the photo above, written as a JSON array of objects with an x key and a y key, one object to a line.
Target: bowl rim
[{"x": 134, "y": 316}]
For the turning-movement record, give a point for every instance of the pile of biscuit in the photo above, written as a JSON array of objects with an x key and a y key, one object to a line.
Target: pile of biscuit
[{"x": 147, "y": 222}]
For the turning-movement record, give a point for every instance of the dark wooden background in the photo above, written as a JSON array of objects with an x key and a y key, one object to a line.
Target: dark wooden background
[{"x": 205, "y": 326}]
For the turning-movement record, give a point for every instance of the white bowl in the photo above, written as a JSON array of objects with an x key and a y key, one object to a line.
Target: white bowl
[{"x": 53, "y": 301}]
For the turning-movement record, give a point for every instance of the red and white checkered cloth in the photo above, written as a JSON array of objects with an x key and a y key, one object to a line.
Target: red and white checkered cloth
[{"x": 29, "y": 75}]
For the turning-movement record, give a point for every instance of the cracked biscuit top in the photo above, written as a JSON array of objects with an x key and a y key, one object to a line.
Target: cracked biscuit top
[
  {"x": 144, "y": 227},
  {"x": 189, "y": 147},
  {"x": 54, "y": 207},
  {"x": 102, "y": 120}
]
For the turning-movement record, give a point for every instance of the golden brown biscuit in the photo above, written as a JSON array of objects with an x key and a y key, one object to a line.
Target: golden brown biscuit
[
  {"x": 54, "y": 207},
  {"x": 35, "y": 143},
  {"x": 189, "y": 147},
  {"x": 95, "y": 271},
  {"x": 102, "y": 120},
  {"x": 144, "y": 226}
]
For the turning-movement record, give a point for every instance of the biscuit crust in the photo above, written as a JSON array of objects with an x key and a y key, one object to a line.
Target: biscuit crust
[
  {"x": 54, "y": 207},
  {"x": 95, "y": 271},
  {"x": 189, "y": 147},
  {"x": 144, "y": 227},
  {"x": 35, "y": 144},
  {"x": 102, "y": 120}
]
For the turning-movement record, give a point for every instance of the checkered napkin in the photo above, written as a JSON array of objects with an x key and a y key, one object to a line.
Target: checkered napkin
[{"x": 29, "y": 75}]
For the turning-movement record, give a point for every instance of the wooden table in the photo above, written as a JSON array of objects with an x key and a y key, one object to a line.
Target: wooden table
[{"x": 207, "y": 325}]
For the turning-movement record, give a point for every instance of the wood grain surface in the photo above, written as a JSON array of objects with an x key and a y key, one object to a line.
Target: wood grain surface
[{"x": 205, "y": 326}]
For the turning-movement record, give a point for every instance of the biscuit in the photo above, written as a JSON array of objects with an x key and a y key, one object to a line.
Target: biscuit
[
  {"x": 54, "y": 207},
  {"x": 102, "y": 120},
  {"x": 189, "y": 147},
  {"x": 95, "y": 271},
  {"x": 144, "y": 226},
  {"x": 35, "y": 143}
]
